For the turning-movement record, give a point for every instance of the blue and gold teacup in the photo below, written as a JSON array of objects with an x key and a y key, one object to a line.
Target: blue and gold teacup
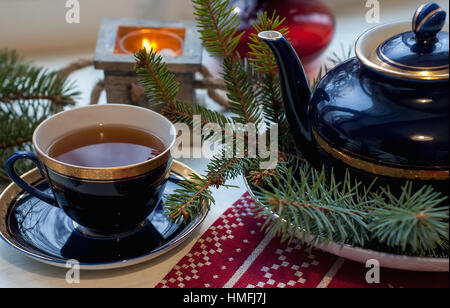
[{"x": 104, "y": 201}]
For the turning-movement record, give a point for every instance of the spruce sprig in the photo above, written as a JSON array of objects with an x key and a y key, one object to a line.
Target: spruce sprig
[
  {"x": 218, "y": 26},
  {"x": 260, "y": 55},
  {"x": 314, "y": 209},
  {"x": 414, "y": 221},
  {"x": 240, "y": 92},
  {"x": 160, "y": 82},
  {"x": 189, "y": 200},
  {"x": 301, "y": 203},
  {"x": 28, "y": 95},
  {"x": 264, "y": 63},
  {"x": 20, "y": 81},
  {"x": 307, "y": 203},
  {"x": 161, "y": 88}
]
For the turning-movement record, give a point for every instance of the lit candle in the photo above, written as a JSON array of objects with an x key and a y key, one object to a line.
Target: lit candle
[
  {"x": 159, "y": 41},
  {"x": 149, "y": 45}
]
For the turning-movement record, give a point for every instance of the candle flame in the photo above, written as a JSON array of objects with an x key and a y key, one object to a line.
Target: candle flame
[{"x": 149, "y": 45}]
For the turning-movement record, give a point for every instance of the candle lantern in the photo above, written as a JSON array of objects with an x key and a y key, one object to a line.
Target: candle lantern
[{"x": 118, "y": 40}]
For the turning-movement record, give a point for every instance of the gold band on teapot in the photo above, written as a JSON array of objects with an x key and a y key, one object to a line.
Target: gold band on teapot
[{"x": 400, "y": 172}]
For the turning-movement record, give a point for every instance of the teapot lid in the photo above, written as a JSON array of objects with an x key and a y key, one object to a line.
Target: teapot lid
[{"x": 420, "y": 54}]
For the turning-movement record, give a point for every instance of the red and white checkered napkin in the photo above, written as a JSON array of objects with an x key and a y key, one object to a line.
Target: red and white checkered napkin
[{"x": 235, "y": 253}]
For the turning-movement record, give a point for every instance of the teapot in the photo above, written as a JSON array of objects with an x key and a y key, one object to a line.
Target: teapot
[{"x": 383, "y": 114}]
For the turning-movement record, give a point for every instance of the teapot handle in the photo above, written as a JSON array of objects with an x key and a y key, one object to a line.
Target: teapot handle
[{"x": 428, "y": 21}]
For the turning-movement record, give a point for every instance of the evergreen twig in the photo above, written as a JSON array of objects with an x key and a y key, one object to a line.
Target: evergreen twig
[
  {"x": 297, "y": 200},
  {"x": 218, "y": 26},
  {"x": 264, "y": 63},
  {"x": 28, "y": 95}
]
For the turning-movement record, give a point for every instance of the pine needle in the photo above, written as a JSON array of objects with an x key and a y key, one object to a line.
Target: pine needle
[
  {"x": 297, "y": 200},
  {"x": 28, "y": 95}
]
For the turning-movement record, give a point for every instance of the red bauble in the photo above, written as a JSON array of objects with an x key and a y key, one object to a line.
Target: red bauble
[{"x": 310, "y": 23}]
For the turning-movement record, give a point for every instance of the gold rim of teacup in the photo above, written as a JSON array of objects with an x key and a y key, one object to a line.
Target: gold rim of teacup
[{"x": 99, "y": 174}]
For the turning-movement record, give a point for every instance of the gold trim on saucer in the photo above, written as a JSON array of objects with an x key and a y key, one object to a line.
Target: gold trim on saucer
[{"x": 352, "y": 160}]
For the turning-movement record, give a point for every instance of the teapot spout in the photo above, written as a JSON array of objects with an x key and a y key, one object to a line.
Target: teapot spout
[{"x": 295, "y": 89}]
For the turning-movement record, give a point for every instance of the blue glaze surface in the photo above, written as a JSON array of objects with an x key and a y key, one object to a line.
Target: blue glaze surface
[
  {"x": 10, "y": 170},
  {"x": 102, "y": 206},
  {"x": 384, "y": 117},
  {"x": 395, "y": 122},
  {"x": 109, "y": 207},
  {"x": 423, "y": 50},
  {"x": 403, "y": 52},
  {"x": 47, "y": 232}
]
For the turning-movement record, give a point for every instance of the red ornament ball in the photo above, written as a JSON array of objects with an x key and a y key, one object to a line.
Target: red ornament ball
[{"x": 310, "y": 22}]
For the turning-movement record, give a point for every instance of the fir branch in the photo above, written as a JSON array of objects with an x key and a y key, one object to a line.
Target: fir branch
[
  {"x": 218, "y": 26},
  {"x": 150, "y": 67},
  {"x": 161, "y": 87},
  {"x": 21, "y": 81},
  {"x": 189, "y": 201},
  {"x": 241, "y": 92},
  {"x": 28, "y": 95},
  {"x": 310, "y": 206},
  {"x": 184, "y": 113},
  {"x": 156, "y": 78},
  {"x": 298, "y": 200},
  {"x": 14, "y": 143},
  {"x": 414, "y": 221},
  {"x": 261, "y": 57}
]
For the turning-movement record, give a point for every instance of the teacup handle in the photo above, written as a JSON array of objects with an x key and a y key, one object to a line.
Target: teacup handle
[{"x": 21, "y": 183}]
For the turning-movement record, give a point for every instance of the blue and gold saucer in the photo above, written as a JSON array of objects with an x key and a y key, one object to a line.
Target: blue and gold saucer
[{"x": 46, "y": 234}]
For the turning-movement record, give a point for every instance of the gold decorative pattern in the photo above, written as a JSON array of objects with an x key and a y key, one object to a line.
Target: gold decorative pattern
[
  {"x": 441, "y": 67},
  {"x": 373, "y": 61},
  {"x": 426, "y": 19},
  {"x": 96, "y": 174},
  {"x": 416, "y": 15},
  {"x": 383, "y": 67},
  {"x": 352, "y": 160}
]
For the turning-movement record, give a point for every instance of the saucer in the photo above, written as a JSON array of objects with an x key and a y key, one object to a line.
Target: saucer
[{"x": 48, "y": 235}]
